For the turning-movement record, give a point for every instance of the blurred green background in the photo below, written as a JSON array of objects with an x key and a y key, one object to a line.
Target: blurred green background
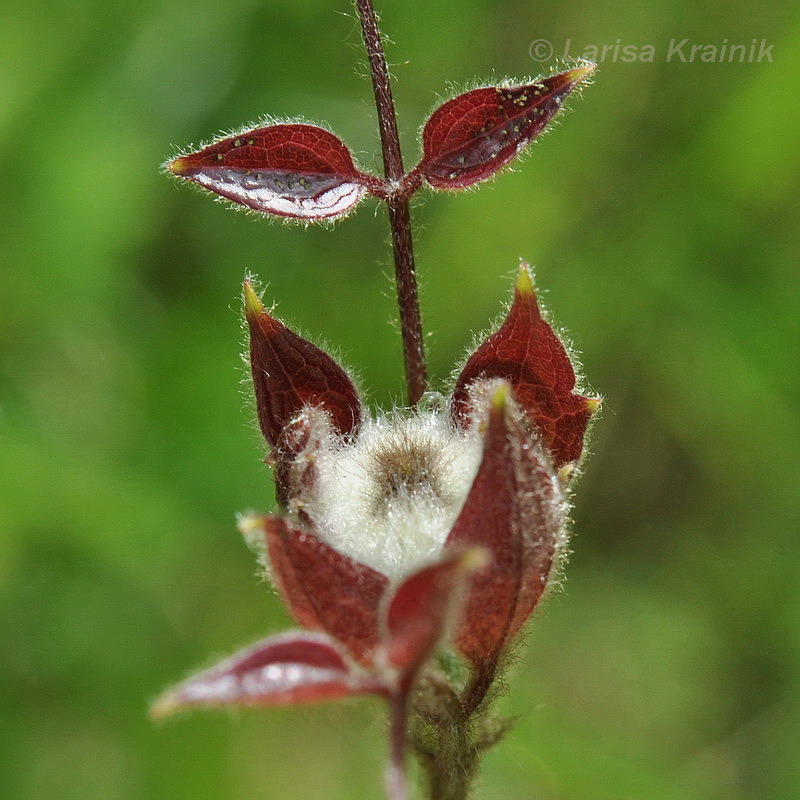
[{"x": 661, "y": 217}]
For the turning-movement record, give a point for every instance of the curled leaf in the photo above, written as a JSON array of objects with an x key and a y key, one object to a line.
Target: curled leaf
[
  {"x": 469, "y": 138},
  {"x": 290, "y": 669},
  {"x": 516, "y": 511},
  {"x": 291, "y": 170},
  {"x": 324, "y": 589},
  {"x": 423, "y": 606}
]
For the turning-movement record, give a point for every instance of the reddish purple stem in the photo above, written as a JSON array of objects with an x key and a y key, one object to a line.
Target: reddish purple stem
[{"x": 399, "y": 192}]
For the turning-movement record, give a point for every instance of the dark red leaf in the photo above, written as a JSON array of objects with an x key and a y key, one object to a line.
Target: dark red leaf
[
  {"x": 515, "y": 510},
  {"x": 526, "y": 353},
  {"x": 472, "y": 136},
  {"x": 288, "y": 669},
  {"x": 299, "y": 171},
  {"x": 324, "y": 589},
  {"x": 421, "y": 609},
  {"x": 289, "y": 372}
]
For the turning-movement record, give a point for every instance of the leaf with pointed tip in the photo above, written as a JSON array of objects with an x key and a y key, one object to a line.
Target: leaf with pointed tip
[
  {"x": 324, "y": 589},
  {"x": 422, "y": 607},
  {"x": 526, "y": 352},
  {"x": 469, "y": 138},
  {"x": 291, "y": 170},
  {"x": 289, "y": 372},
  {"x": 514, "y": 509},
  {"x": 290, "y": 669}
]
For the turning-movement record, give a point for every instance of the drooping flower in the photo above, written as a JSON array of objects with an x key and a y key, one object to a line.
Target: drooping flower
[{"x": 401, "y": 530}]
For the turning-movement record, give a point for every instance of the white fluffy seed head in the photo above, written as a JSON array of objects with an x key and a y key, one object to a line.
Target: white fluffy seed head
[{"x": 390, "y": 497}]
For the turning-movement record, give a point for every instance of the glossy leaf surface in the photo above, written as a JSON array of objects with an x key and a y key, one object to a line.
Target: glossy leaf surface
[
  {"x": 469, "y": 138},
  {"x": 527, "y": 353},
  {"x": 289, "y": 669},
  {"x": 324, "y": 589},
  {"x": 515, "y": 510},
  {"x": 292, "y": 170},
  {"x": 290, "y": 372}
]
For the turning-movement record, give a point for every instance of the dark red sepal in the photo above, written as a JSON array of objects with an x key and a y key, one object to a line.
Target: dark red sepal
[
  {"x": 423, "y": 606},
  {"x": 324, "y": 589},
  {"x": 291, "y": 170},
  {"x": 527, "y": 353},
  {"x": 289, "y": 373},
  {"x": 469, "y": 138},
  {"x": 290, "y": 669},
  {"x": 515, "y": 510}
]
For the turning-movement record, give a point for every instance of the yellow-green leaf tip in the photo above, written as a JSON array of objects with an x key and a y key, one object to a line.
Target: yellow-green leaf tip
[
  {"x": 164, "y": 706},
  {"x": 249, "y": 524},
  {"x": 179, "y": 166},
  {"x": 582, "y": 72},
  {"x": 253, "y": 307},
  {"x": 592, "y": 403},
  {"x": 524, "y": 284},
  {"x": 474, "y": 559}
]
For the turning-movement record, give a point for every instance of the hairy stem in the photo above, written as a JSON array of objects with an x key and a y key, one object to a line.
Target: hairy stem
[
  {"x": 448, "y": 756},
  {"x": 478, "y": 687},
  {"x": 397, "y": 200}
]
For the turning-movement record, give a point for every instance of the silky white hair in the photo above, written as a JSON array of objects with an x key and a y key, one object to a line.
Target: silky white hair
[{"x": 389, "y": 497}]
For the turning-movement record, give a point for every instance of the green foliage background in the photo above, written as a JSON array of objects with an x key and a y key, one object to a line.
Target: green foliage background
[{"x": 661, "y": 216}]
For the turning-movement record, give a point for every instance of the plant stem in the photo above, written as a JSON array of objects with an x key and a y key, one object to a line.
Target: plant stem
[
  {"x": 397, "y": 200},
  {"x": 396, "y": 784},
  {"x": 477, "y": 688},
  {"x": 448, "y": 756}
]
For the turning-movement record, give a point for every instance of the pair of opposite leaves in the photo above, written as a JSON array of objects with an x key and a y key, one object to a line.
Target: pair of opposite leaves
[{"x": 305, "y": 172}]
